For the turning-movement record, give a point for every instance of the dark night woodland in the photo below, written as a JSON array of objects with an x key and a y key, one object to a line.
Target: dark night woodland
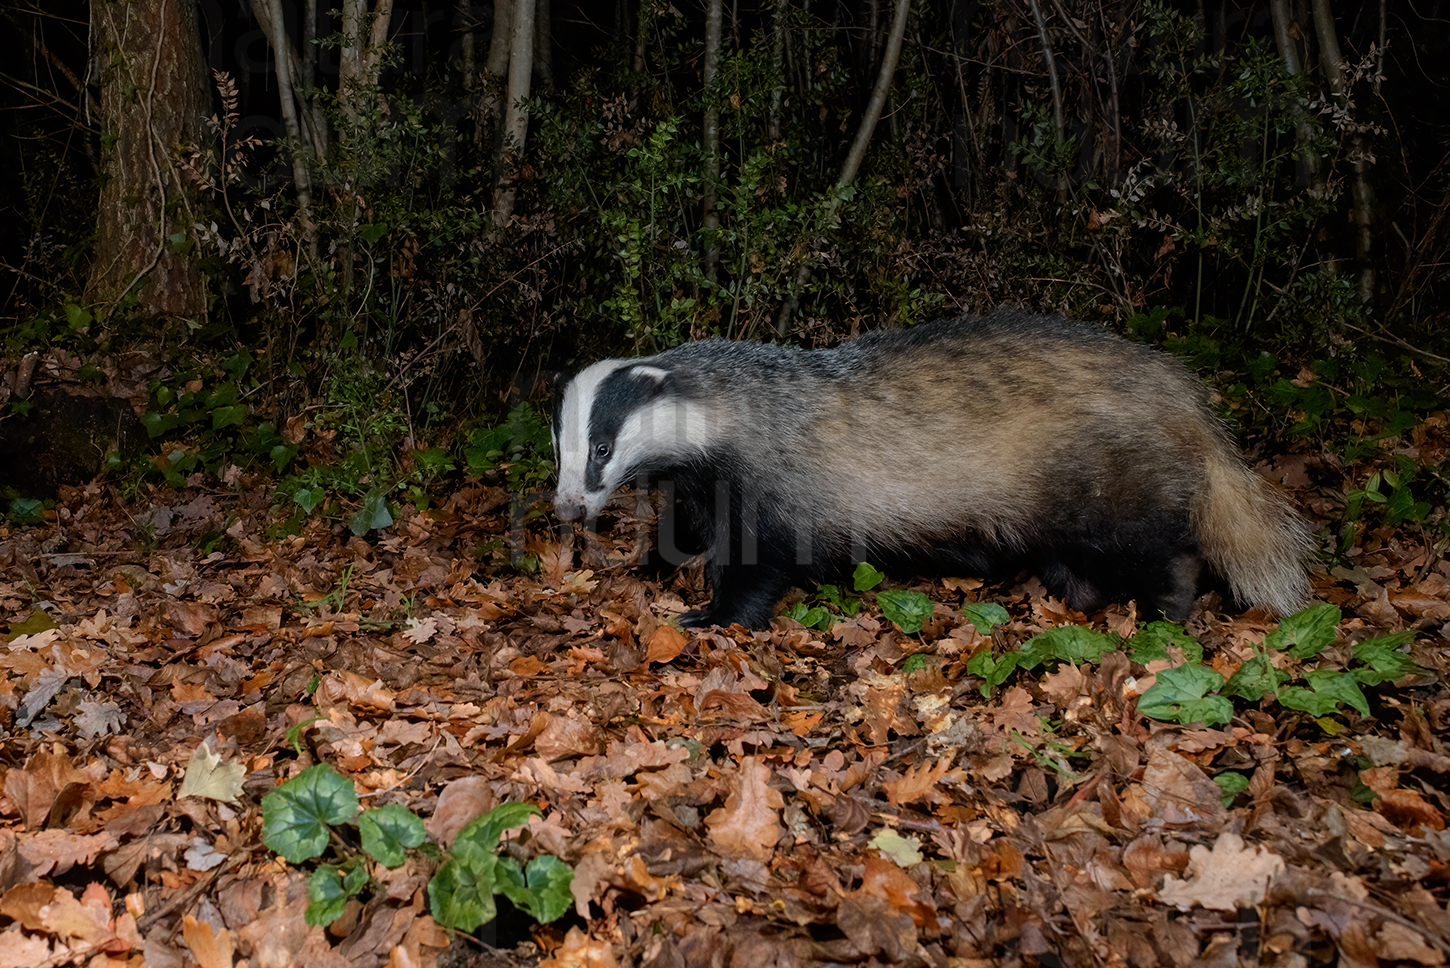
[
  {"x": 286, "y": 287},
  {"x": 1272, "y": 169}
]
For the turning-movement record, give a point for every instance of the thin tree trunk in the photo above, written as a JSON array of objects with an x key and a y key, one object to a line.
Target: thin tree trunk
[
  {"x": 152, "y": 99},
  {"x": 1059, "y": 126},
  {"x": 1289, "y": 51},
  {"x": 495, "y": 67},
  {"x": 466, "y": 50},
  {"x": 1363, "y": 195},
  {"x": 313, "y": 129},
  {"x": 309, "y": 45},
  {"x": 544, "y": 45},
  {"x": 710, "y": 220},
  {"x": 777, "y": 68},
  {"x": 889, "y": 56},
  {"x": 361, "y": 58},
  {"x": 516, "y": 118},
  {"x": 301, "y": 174}
]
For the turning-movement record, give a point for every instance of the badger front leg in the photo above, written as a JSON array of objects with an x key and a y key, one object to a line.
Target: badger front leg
[
  {"x": 744, "y": 594},
  {"x": 753, "y": 560}
]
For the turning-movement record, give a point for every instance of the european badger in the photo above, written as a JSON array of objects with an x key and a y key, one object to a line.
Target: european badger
[{"x": 980, "y": 445}]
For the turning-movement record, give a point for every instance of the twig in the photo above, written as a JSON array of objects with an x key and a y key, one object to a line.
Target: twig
[
  {"x": 191, "y": 892},
  {"x": 1385, "y": 913}
]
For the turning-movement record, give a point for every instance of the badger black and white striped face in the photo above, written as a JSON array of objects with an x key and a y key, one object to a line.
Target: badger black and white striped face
[{"x": 619, "y": 418}]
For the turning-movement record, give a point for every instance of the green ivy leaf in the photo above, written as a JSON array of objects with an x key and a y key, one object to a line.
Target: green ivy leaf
[
  {"x": 985, "y": 615},
  {"x": 281, "y": 455},
  {"x": 26, "y": 510},
  {"x": 479, "y": 838},
  {"x": 1181, "y": 695},
  {"x": 992, "y": 671},
  {"x": 1306, "y": 634},
  {"x": 76, "y": 317},
  {"x": 1382, "y": 659},
  {"x": 328, "y": 889},
  {"x": 1152, "y": 642},
  {"x": 1327, "y": 690},
  {"x": 296, "y": 815},
  {"x": 542, "y": 890},
  {"x": 907, "y": 609},
  {"x": 916, "y": 662},
  {"x": 1232, "y": 784},
  {"x": 812, "y": 618},
  {"x": 460, "y": 896},
  {"x": 157, "y": 424},
  {"x": 1255, "y": 678},
  {"x": 372, "y": 232},
  {"x": 1066, "y": 643},
  {"x": 373, "y": 515},
  {"x": 388, "y": 832},
  {"x": 866, "y": 577},
  {"x": 326, "y": 895},
  {"x": 229, "y": 416},
  {"x": 307, "y": 498}
]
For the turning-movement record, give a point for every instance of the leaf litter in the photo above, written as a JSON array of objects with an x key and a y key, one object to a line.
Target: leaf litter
[{"x": 729, "y": 797}]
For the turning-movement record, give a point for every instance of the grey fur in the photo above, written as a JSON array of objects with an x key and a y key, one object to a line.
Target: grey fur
[{"x": 980, "y": 444}]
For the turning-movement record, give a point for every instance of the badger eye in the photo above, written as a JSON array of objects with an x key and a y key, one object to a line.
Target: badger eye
[{"x": 601, "y": 450}]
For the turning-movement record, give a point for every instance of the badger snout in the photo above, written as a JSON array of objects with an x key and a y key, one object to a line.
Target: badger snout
[{"x": 569, "y": 508}]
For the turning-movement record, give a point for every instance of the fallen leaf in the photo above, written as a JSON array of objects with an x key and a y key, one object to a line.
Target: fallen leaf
[
  {"x": 1225, "y": 878},
  {"x": 748, "y": 825},
  {"x": 207, "y": 776}
]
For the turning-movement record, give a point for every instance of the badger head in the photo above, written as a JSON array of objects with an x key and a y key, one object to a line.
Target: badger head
[{"x": 618, "y": 419}]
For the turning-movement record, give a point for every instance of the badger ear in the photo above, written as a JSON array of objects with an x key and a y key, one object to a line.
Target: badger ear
[{"x": 652, "y": 379}]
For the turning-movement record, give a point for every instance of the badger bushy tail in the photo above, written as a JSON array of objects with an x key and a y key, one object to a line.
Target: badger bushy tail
[{"x": 1251, "y": 536}]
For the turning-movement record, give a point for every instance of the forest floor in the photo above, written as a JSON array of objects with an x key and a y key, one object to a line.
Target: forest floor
[{"x": 782, "y": 797}]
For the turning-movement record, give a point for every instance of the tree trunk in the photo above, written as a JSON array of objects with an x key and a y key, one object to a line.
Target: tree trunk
[
  {"x": 1059, "y": 127},
  {"x": 714, "y": 18},
  {"x": 301, "y": 171},
  {"x": 147, "y": 56},
  {"x": 544, "y": 45},
  {"x": 516, "y": 118},
  {"x": 1333, "y": 63},
  {"x": 857, "y": 154}
]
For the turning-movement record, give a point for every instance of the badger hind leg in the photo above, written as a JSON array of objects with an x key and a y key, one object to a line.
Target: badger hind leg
[
  {"x": 1178, "y": 586},
  {"x": 1162, "y": 574},
  {"x": 1068, "y": 583}
]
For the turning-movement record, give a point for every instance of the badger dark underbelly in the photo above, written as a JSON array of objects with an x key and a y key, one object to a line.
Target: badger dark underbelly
[{"x": 982, "y": 446}]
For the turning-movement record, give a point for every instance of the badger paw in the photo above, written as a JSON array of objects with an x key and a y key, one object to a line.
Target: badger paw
[{"x": 697, "y": 618}]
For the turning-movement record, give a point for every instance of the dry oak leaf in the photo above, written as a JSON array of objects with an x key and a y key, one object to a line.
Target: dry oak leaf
[
  {"x": 19, "y": 950},
  {"x": 211, "y": 948},
  {"x": 357, "y": 690},
  {"x": 665, "y": 644},
  {"x": 881, "y": 878},
  {"x": 207, "y": 776},
  {"x": 1179, "y": 793},
  {"x": 459, "y": 802},
  {"x": 922, "y": 781},
  {"x": 87, "y": 919},
  {"x": 567, "y": 736},
  {"x": 56, "y": 851},
  {"x": 1225, "y": 878},
  {"x": 749, "y": 824},
  {"x": 581, "y": 951},
  {"x": 1396, "y": 942},
  {"x": 23, "y": 902}
]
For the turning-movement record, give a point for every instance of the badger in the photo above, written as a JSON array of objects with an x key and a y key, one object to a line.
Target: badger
[{"x": 980, "y": 446}]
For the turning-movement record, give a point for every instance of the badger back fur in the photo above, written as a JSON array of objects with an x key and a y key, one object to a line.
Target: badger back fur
[{"x": 984, "y": 445}]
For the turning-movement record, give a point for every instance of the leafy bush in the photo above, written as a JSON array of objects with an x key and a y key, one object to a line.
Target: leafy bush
[
  {"x": 1192, "y": 692},
  {"x": 318, "y": 807}
]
